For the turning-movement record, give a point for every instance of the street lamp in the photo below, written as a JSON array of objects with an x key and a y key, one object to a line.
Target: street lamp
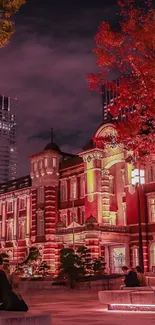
[{"x": 138, "y": 179}]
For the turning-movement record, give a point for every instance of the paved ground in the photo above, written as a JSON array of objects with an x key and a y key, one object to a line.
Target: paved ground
[{"x": 82, "y": 308}]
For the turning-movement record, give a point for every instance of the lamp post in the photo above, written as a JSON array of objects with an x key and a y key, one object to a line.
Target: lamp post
[
  {"x": 73, "y": 223},
  {"x": 138, "y": 178}
]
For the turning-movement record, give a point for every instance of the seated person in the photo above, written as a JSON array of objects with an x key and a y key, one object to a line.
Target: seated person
[
  {"x": 131, "y": 279},
  {"x": 8, "y": 299},
  {"x": 141, "y": 276}
]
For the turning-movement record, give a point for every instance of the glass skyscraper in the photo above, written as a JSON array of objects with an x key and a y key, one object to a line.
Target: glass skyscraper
[{"x": 8, "y": 142}]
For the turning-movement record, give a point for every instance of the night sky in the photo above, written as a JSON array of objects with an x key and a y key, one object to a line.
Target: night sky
[{"x": 45, "y": 66}]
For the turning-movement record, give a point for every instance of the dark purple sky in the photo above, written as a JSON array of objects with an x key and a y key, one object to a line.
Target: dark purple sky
[{"x": 45, "y": 66}]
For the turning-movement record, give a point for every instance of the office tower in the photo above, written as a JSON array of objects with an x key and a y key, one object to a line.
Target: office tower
[{"x": 8, "y": 144}]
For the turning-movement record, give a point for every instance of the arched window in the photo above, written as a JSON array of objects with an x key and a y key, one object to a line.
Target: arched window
[
  {"x": 111, "y": 184},
  {"x": 82, "y": 216},
  {"x": 73, "y": 189},
  {"x": 22, "y": 228},
  {"x": 63, "y": 191},
  {"x": 82, "y": 186},
  {"x": 10, "y": 230}
]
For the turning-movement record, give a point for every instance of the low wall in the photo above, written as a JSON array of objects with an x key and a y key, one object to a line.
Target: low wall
[
  {"x": 34, "y": 285},
  {"x": 126, "y": 297},
  {"x": 101, "y": 284}
]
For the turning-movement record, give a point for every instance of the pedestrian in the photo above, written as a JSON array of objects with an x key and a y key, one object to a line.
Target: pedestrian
[
  {"x": 9, "y": 300},
  {"x": 131, "y": 279},
  {"x": 141, "y": 276}
]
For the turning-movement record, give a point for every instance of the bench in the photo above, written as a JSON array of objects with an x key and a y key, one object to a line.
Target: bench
[
  {"x": 127, "y": 298},
  {"x": 21, "y": 318}
]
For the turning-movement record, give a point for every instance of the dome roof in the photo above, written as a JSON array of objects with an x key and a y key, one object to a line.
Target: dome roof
[
  {"x": 52, "y": 146},
  {"x": 91, "y": 219}
]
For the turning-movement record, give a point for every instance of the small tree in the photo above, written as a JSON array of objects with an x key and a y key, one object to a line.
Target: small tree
[
  {"x": 33, "y": 256},
  {"x": 85, "y": 257},
  {"x": 98, "y": 266},
  {"x": 71, "y": 264},
  {"x": 7, "y": 9},
  {"x": 43, "y": 268}
]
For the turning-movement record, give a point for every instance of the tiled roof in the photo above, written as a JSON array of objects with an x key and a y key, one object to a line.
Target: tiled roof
[
  {"x": 71, "y": 162},
  {"x": 16, "y": 184}
]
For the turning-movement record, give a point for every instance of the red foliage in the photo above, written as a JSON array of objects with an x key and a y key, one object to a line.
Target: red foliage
[{"x": 130, "y": 50}]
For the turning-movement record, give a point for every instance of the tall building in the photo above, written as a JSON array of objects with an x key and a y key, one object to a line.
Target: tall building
[
  {"x": 89, "y": 199},
  {"x": 8, "y": 144}
]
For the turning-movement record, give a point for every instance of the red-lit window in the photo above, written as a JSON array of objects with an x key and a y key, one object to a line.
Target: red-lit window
[
  {"x": 40, "y": 223},
  {"x": 10, "y": 206},
  {"x": 73, "y": 189},
  {"x": 40, "y": 194},
  {"x": 82, "y": 186},
  {"x": 63, "y": 191}
]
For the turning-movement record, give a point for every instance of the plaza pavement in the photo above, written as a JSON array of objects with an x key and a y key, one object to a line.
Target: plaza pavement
[{"x": 73, "y": 307}]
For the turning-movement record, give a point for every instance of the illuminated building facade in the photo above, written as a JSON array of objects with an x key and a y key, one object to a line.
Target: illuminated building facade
[
  {"x": 87, "y": 200},
  {"x": 8, "y": 144}
]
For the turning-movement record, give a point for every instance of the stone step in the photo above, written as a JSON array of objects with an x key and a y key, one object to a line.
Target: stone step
[
  {"x": 130, "y": 307},
  {"x": 21, "y": 318},
  {"x": 126, "y": 297}
]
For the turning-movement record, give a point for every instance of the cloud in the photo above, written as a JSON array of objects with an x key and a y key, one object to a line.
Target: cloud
[{"x": 45, "y": 67}]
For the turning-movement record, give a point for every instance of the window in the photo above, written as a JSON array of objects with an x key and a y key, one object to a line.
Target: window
[
  {"x": 10, "y": 206},
  {"x": 40, "y": 194},
  {"x": 40, "y": 223},
  {"x": 22, "y": 229},
  {"x": 74, "y": 216},
  {"x": 135, "y": 256},
  {"x": 73, "y": 189},
  {"x": 54, "y": 162},
  {"x": 138, "y": 176},
  {"x": 0, "y": 229},
  {"x": 111, "y": 184},
  {"x": 82, "y": 215},
  {"x": 152, "y": 256},
  {"x": 22, "y": 204},
  {"x": 35, "y": 166},
  {"x": 40, "y": 164},
  {"x": 64, "y": 220},
  {"x": 151, "y": 174},
  {"x": 152, "y": 209},
  {"x": 45, "y": 162},
  {"x": 10, "y": 231},
  {"x": 82, "y": 186},
  {"x": 63, "y": 191}
]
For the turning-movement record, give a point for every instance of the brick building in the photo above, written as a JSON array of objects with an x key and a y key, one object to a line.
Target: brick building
[{"x": 86, "y": 199}]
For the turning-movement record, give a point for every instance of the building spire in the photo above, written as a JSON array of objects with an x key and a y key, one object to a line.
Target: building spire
[{"x": 51, "y": 135}]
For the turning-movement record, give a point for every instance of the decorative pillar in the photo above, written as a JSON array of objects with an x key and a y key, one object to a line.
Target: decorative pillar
[
  {"x": 3, "y": 218},
  {"x": 15, "y": 230},
  {"x": 106, "y": 219},
  {"x": 28, "y": 215},
  {"x": 107, "y": 258},
  {"x": 92, "y": 171}
]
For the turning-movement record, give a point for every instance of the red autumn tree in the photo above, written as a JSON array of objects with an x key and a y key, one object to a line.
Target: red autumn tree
[
  {"x": 7, "y": 9},
  {"x": 130, "y": 50}
]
